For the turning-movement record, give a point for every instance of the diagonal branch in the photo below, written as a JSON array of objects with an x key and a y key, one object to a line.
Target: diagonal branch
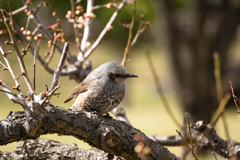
[
  {"x": 112, "y": 136},
  {"x": 60, "y": 66}
]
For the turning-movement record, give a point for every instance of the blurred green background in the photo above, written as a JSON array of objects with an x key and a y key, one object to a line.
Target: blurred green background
[{"x": 143, "y": 106}]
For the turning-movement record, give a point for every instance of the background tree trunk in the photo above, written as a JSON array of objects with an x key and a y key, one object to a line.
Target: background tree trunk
[{"x": 197, "y": 30}]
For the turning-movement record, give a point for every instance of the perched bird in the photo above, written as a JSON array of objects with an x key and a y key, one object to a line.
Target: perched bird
[{"x": 102, "y": 90}]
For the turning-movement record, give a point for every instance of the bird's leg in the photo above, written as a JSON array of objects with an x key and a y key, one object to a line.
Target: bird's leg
[{"x": 108, "y": 116}]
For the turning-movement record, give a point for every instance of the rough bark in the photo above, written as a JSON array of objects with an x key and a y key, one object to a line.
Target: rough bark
[
  {"x": 110, "y": 135},
  {"x": 49, "y": 149}
]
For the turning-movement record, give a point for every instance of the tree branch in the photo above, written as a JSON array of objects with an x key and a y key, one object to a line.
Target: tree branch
[
  {"x": 54, "y": 150},
  {"x": 112, "y": 136}
]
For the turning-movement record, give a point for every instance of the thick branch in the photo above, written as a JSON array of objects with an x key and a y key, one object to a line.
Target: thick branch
[
  {"x": 54, "y": 150},
  {"x": 112, "y": 136}
]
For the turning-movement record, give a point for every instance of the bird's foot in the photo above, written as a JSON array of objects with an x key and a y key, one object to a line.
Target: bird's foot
[{"x": 107, "y": 116}]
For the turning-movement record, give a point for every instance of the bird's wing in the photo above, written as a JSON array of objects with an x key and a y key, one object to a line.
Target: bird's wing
[{"x": 82, "y": 87}]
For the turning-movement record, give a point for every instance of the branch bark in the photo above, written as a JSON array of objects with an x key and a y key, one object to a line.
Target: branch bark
[
  {"x": 49, "y": 149},
  {"x": 110, "y": 135}
]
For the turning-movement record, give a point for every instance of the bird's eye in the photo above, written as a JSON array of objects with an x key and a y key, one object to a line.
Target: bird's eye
[
  {"x": 117, "y": 75},
  {"x": 112, "y": 76}
]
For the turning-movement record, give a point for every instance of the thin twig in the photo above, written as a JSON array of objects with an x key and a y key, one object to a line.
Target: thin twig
[
  {"x": 19, "y": 10},
  {"x": 28, "y": 19},
  {"x": 59, "y": 68},
  {"x": 104, "y": 31},
  {"x": 44, "y": 29},
  {"x": 141, "y": 29},
  {"x": 86, "y": 29},
  {"x": 50, "y": 94},
  {"x": 32, "y": 49},
  {"x": 180, "y": 134},
  {"x": 220, "y": 109},
  {"x": 214, "y": 156},
  {"x": 113, "y": 5},
  {"x": 219, "y": 91},
  {"x": 160, "y": 90},
  {"x": 127, "y": 49},
  {"x": 75, "y": 25},
  {"x": 191, "y": 139},
  {"x": 10, "y": 15},
  {"x": 13, "y": 97},
  {"x": 1, "y": 62},
  {"x": 14, "y": 44},
  {"x": 236, "y": 101},
  {"x": 52, "y": 50},
  {"x": 34, "y": 70},
  {"x": 10, "y": 69}
]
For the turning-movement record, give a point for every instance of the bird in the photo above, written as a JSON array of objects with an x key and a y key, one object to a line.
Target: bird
[{"x": 102, "y": 90}]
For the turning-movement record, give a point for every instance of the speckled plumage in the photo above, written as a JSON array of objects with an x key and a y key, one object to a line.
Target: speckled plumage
[{"x": 102, "y": 90}]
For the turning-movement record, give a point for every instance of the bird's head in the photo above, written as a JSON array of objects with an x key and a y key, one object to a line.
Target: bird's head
[{"x": 116, "y": 72}]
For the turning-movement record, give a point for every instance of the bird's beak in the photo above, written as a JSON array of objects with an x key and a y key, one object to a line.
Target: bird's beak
[{"x": 128, "y": 75}]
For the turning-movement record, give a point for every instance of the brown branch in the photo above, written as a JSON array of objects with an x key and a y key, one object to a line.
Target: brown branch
[
  {"x": 54, "y": 150},
  {"x": 205, "y": 137},
  {"x": 60, "y": 66},
  {"x": 112, "y": 136}
]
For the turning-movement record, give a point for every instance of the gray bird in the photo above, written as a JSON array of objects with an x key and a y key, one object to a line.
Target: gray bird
[{"x": 102, "y": 90}]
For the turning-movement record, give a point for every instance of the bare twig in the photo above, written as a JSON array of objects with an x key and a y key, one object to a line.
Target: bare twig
[
  {"x": 28, "y": 19},
  {"x": 32, "y": 49},
  {"x": 75, "y": 24},
  {"x": 44, "y": 29},
  {"x": 10, "y": 15},
  {"x": 86, "y": 31},
  {"x": 236, "y": 101},
  {"x": 214, "y": 156},
  {"x": 183, "y": 138},
  {"x": 142, "y": 27},
  {"x": 13, "y": 97},
  {"x": 34, "y": 70},
  {"x": 10, "y": 69},
  {"x": 219, "y": 90},
  {"x": 45, "y": 101},
  {"x": 108, "y": 5},
  {"x": 127, "y": 49},
  {"x": 19, "y": 10},
  {"x": 190, "y": 135},
  {"x": 59, "y": 68},
  {"x": 104, "y": 31},
  {"x": 160, "y": 90},
  {"x": 14, "y": 44},
  {"x": 52, "y": 50},
  {"x": 220, "y": 109}
]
